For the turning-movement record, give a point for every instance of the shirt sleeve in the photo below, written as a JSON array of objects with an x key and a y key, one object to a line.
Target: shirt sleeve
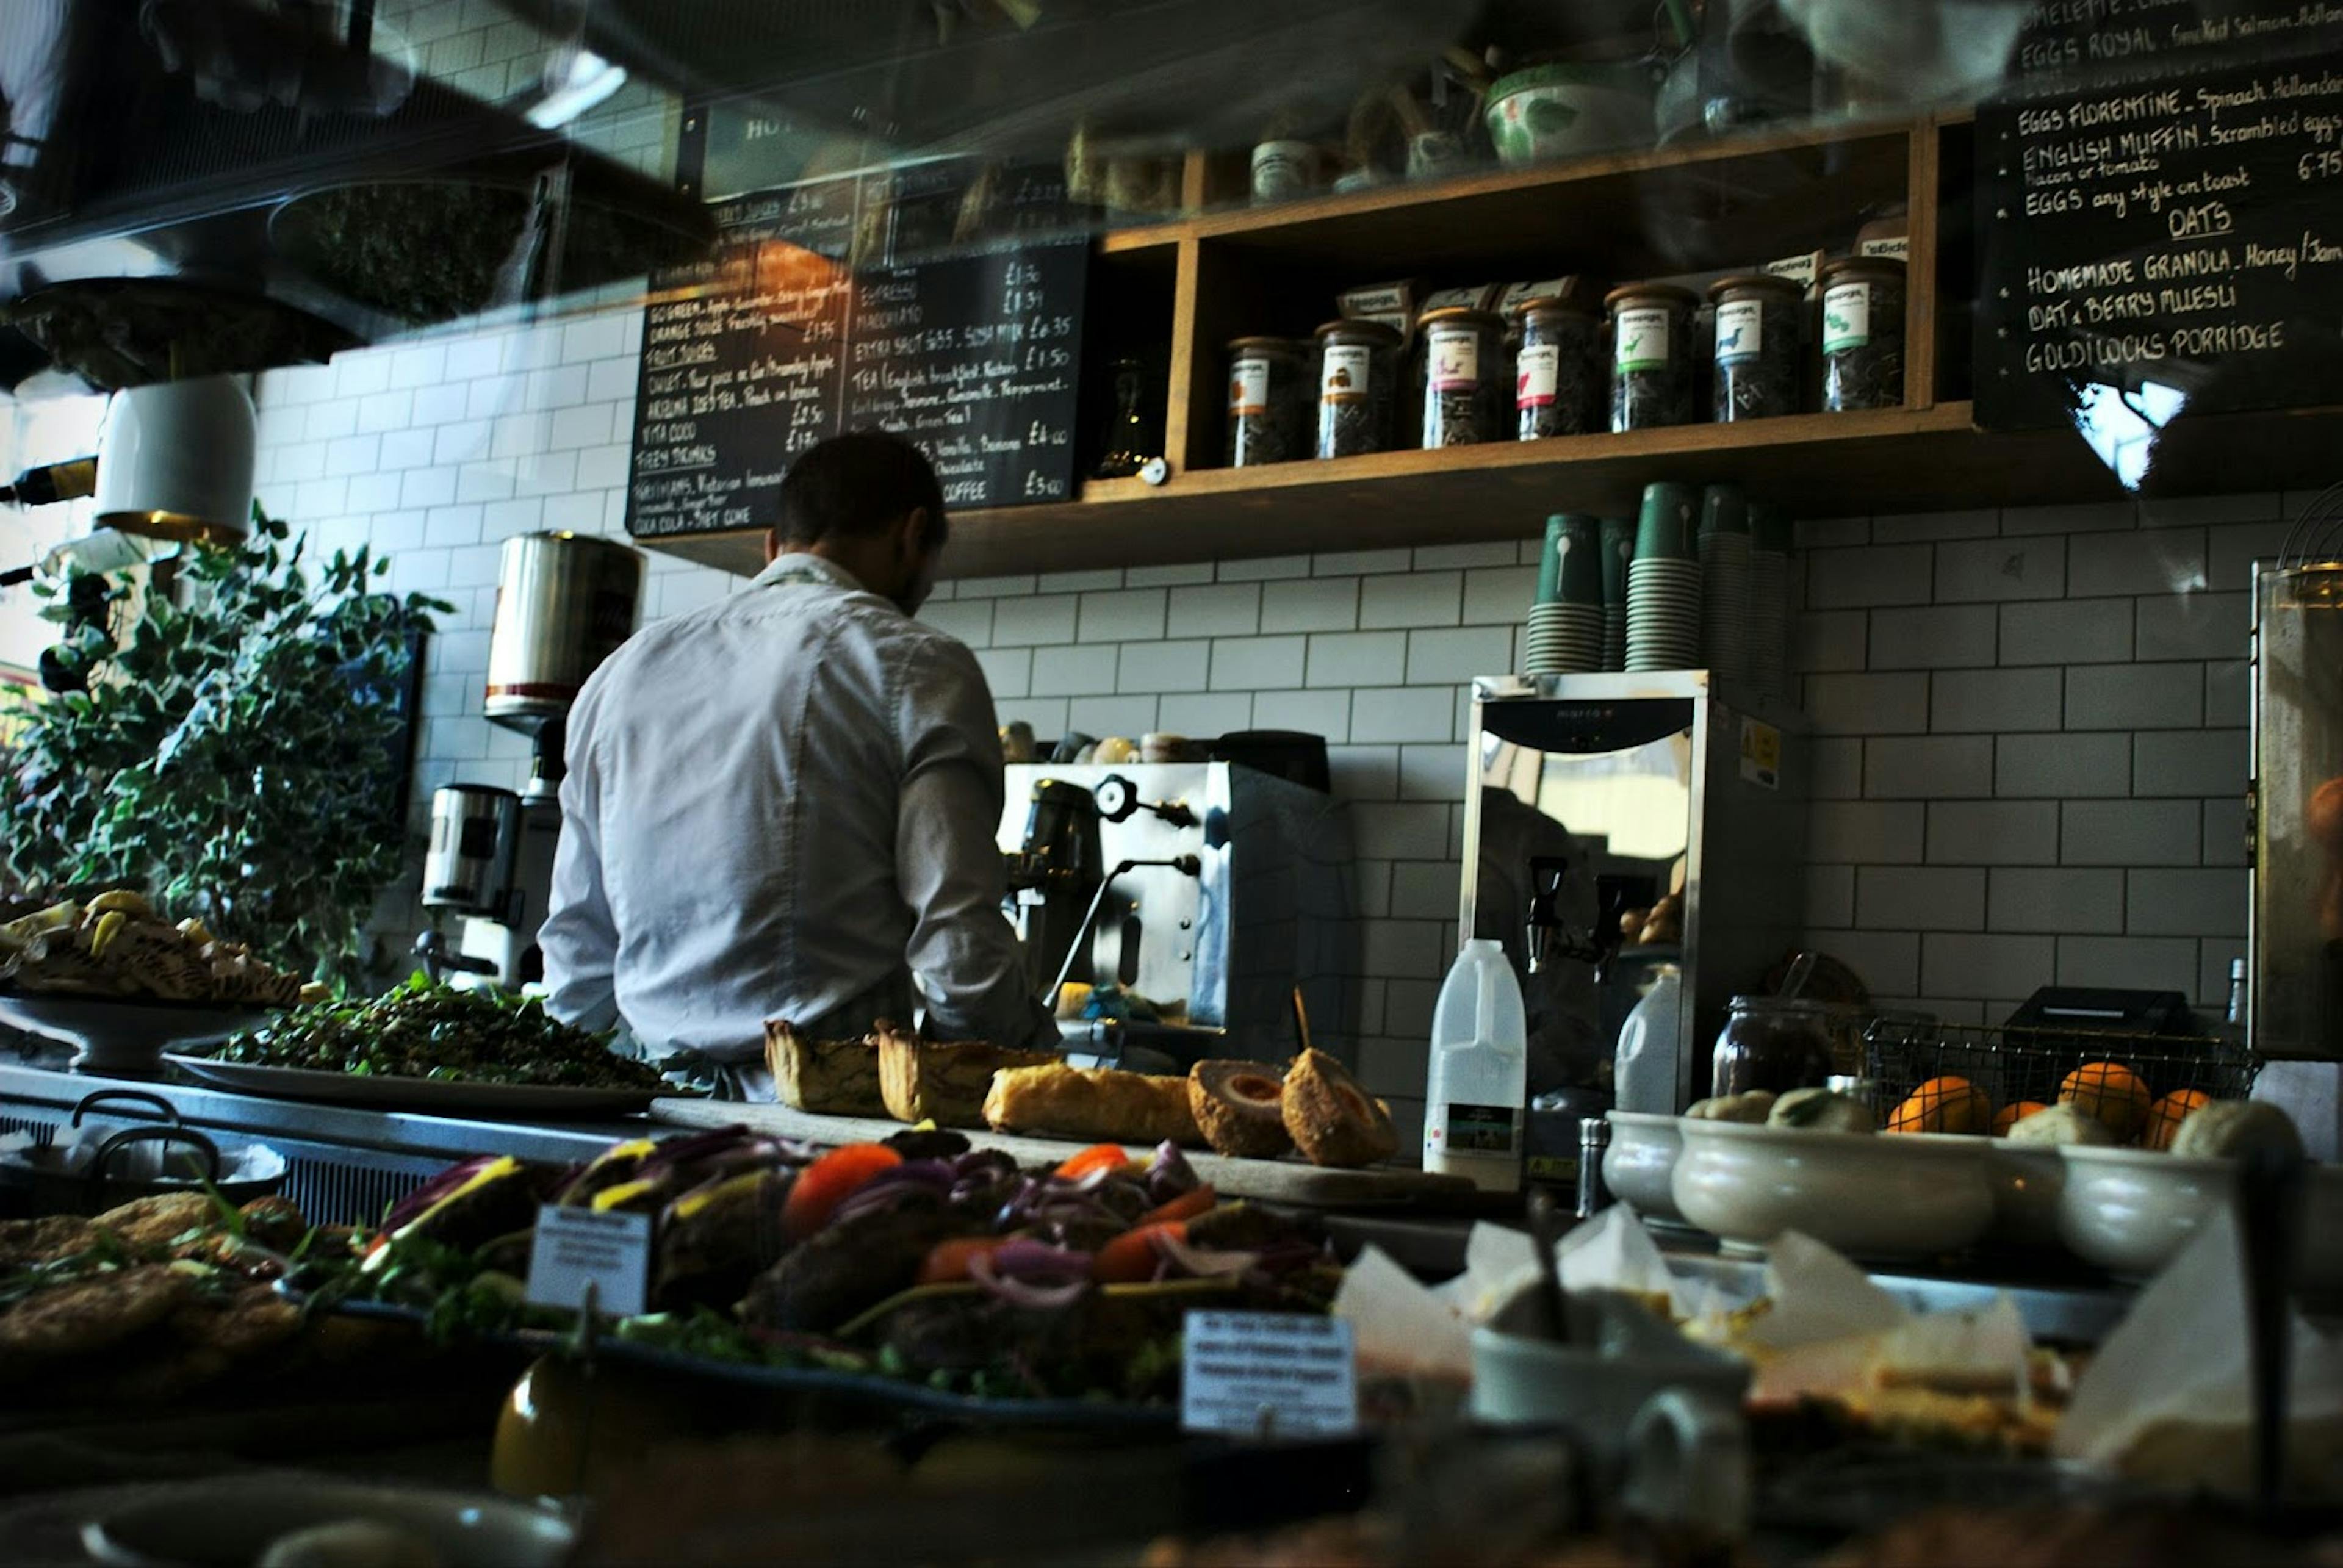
[
  {"x": 579, "y": 938},
  {"x": 963, "y": 948}
]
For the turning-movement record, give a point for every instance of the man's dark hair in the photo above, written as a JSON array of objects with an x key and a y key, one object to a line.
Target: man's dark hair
[{"x": 859, "y": 485}]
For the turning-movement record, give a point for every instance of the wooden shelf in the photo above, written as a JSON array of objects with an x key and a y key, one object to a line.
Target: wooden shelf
[
  {"x": 1430, "y": 210},
  {"x": 1712, "y": 203},
  {"x": 1817, "y": 464}
]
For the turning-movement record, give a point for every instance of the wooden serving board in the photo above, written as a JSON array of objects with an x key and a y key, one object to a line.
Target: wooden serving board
[{"x": 1287, "y": 1181}]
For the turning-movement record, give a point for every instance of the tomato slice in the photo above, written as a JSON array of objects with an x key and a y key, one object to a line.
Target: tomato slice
[
  {"x": 829, "y": 1182},
  {"x": 1187, "y": 1206},
  {"x": 1131, "y": 1259},
  {"x": 948, "y": 1263},
  {"x": 1097, "y": 1157}
]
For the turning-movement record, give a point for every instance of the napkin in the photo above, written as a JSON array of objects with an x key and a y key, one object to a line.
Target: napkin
[
  {"x": 1399, "y": 1325},
  {"x": 1613, "y": 1252},
  {"x": 1819, "y": 1296},
  {"x": 2169, "y": 1395}
]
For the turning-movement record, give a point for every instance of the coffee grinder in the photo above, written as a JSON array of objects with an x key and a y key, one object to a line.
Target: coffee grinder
[{"x": 564, "y": 603}]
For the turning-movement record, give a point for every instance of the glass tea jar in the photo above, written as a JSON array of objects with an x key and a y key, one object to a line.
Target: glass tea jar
[
  {"x": 1777, "y": 1044},
  {"x": 1758, "y": 322},
  {"x": 1268, "y": 393},
  {"x": 1862, "y": 333},
  {"x": 1557, "y": 378},
  {"x": 1358, "y": 388},
  {"x": 1464, "y": 370},
  {"x": 1651, "y": 356}
]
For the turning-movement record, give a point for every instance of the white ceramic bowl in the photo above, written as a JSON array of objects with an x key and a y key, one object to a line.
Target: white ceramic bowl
[
  {"x": 1569, "y": 110},
  {"x": 235, "y": 1521},
  {"x": 125, "y": 1039},
  {"x": 1886, "y": 1195},
  {"x": 2027, "y": 1180},
  {"x": 1619, "y": 1355},
  {"x": 1640, "y": 1166},
  {"x": 2130, "y": 1211}
]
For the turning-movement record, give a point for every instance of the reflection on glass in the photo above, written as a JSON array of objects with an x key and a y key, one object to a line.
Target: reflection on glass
[
  {"x": 2122, "y": 427},
  {"x": 1573, "y": 849}
]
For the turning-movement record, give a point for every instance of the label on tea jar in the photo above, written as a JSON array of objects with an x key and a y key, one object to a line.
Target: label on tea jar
[
  {"x": 1642, "y": 337},
  {"x": 1343, "y": 378},
  {"x": 1846, "y": 316},
  {"x": 1534, "y": 378},
  {"x": 1456, "y": 361},
  {"x": 1249, "y": 387},
  {"x": 1740, "y": 330}
]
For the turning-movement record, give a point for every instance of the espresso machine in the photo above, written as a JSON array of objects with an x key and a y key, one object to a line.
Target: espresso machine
[
  {"x": 564, "y": 603},
  {"x": 1196, "y": 901},
  {"x": 1597, "y": 798}
]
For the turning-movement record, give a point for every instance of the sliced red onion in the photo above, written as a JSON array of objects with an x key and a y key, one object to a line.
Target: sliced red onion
[
  {"x": 695, "y": 1146},
  {"x": 898, "y": 1184},
  {"x": 1202, "y": 1262},
  {"x": 987, "y": 1162},
  {"x": 1034, "y": 1292},
  {"x": 1168, "y": 1174},
  {"x": 439, "y": 1187},
  {"x": 1025, "y": 1259}
]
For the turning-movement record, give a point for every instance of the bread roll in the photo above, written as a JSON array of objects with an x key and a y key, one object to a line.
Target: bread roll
[{"x": 1093, "y": 1104}]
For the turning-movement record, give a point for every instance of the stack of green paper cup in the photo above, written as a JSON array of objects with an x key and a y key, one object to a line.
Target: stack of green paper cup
[
  {"x": 1566, "y": 630},
  {"x": 1663, "y": 582},
  {"x": 1618, "y": 550}
]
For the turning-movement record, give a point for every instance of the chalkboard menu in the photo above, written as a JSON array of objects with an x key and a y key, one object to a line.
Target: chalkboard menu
[
  {"x": 2161, "y": 212},
  {"x": 778, "y": 340}
]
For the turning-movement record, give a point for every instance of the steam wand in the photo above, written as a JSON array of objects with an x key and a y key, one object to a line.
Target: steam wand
[{"x": 1186, "y": 865}]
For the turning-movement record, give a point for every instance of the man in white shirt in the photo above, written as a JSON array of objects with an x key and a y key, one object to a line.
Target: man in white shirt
[{"x": 783, "y": 806}]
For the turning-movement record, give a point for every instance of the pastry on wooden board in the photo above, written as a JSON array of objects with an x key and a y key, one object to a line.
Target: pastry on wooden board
[
  {"x": 1332, "y": 1121},
  {"x": 828, "y": 1077},
  {"x": 943, "y": 1082},
  {"x": 1102, "y": 1104}
]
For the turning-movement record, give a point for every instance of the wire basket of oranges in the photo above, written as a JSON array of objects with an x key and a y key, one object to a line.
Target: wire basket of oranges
[{"x": 1985, "y": 1079}]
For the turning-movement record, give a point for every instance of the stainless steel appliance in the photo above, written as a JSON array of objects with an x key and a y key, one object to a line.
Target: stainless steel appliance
[
  {"x": 475, "y": 843},
  {"x": 1212, "y": 891},
  {"x": 2295, "y": 945},
  {"x": 564, "y": 603},
  {"x": 1596, "y": 795}
]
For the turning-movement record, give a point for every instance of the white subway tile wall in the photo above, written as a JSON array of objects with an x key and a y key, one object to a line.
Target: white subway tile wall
[
  {"x": 2083, "y": 753},
  {"x": 2013, "y": 786}
]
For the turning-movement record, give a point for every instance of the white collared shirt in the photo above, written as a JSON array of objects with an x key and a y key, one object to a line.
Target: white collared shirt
[{"x": 783, "y": 806}]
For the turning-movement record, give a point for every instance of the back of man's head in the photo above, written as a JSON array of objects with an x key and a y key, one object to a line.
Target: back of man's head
[{"x": 859, "y": 485}]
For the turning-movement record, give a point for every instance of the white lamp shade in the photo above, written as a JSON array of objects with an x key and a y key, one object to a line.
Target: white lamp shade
[{"x": 175, "y": 459}]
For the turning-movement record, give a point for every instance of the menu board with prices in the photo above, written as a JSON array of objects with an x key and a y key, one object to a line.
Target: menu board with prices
[
  {"x": 779, "y": 340},
  {"x": 2161, "y": 210}
]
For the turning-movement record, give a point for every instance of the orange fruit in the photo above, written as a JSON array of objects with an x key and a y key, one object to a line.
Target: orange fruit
[
  {"x": 2011, "y": 1114},
  {"x": 2165, "y": 1117},
  {"x": 2110, "y": 1093},
  {"x": 1944, "y": 1105}
]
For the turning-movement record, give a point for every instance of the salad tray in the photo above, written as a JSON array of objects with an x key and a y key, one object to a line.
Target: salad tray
[
  {"x": 430, "y": 1094},
  {"x": 875, "y": 1388}
]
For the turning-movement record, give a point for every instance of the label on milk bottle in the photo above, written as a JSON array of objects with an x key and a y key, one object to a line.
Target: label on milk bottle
[{"x": 1456, "y": 1128}]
